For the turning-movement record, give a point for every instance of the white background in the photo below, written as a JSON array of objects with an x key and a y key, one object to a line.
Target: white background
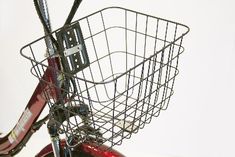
[{"x": 200, "y": 119}]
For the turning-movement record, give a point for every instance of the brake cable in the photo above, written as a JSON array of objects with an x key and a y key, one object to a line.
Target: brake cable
[{"x": 73, "y": 10}]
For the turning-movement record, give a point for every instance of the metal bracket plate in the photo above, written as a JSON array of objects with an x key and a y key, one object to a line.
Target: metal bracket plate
[{"x": 72, "y": 48}]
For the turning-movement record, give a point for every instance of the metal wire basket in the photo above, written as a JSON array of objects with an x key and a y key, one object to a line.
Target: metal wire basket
[{"x": 133, "y": 62}]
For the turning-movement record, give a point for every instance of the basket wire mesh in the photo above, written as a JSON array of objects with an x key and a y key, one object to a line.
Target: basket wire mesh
[{"x": 133, "y": 65}]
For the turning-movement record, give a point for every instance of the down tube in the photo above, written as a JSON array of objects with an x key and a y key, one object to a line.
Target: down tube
[{"x": 12, "y": 143}]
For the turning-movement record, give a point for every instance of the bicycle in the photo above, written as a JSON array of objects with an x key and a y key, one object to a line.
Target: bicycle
[{"x": 94, "y": 100}]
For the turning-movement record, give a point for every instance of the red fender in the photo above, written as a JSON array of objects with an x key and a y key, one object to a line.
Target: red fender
[{"x": 88, "y": 148}]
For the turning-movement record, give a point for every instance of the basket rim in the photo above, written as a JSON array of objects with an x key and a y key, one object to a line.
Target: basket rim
[
  {"x": 107, "y": 8},
  {"x": 169, "y": 43}
]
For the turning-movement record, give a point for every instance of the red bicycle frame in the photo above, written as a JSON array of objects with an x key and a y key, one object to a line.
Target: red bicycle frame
[{"x": 27, "y": 125}]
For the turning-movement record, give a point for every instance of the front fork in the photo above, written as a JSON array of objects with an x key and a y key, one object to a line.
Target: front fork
[
  {"x": 58, "y": 151},
  {"x": 62, "y": 150},
  {"x": 55, "y": 140}
]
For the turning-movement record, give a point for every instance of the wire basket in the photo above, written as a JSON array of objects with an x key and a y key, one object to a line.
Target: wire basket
[{"x": 133, "y": 64}]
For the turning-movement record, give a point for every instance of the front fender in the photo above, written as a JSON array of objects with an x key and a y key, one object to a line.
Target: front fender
[{"x": 84, "y": 150}]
